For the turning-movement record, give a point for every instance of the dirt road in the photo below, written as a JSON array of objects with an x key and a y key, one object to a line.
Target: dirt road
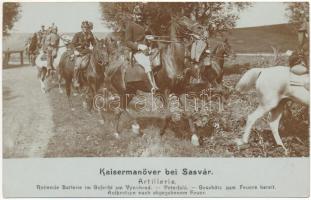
[{"x": 27, "y": 116}]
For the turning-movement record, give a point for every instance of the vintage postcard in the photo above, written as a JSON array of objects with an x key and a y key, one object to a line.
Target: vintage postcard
[{"x": 155, "y": 99}]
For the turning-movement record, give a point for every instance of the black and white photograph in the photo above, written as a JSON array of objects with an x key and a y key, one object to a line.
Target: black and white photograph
[{"x": 155, "y": 79}]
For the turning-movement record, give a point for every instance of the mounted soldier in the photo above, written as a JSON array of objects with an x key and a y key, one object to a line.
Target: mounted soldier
[
  {"x": 81, "y": 44},
  {"x": 41, "y": 35},
  {"x": 200, "y": 53},
  {"x": 135, "y": 34},
  {"x": 51, "y": 47},
  {"x": 298, "y": 60},
  {"x": 33, "y": 48}
]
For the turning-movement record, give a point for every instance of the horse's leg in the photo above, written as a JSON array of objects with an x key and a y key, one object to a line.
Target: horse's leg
[
  {"x": 193, "y": 130},
  {"x": 101, "y": 116},
  {"x": 74, "y": 92},
  {"x": 194, "y": 137},
  {"x": 68, "y": 93},
  {"x": 275, "y": 117},
  {"x": 267, "y": 103},
  {"x": 166, "y": 125},
  {"x": 166, "y": 98},
  {"x": 300, "y": 94},
  {"x": 43, "y": 79},
  {"x": 124, "y": 103},
  {"x": 92, "y": 95},
  {"x": 117, "y": 121},
  {"x": 251, "y": 119},
  {"x": 60, "y": 83}
]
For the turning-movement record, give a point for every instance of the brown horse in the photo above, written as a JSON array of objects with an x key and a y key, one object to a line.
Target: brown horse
[
  {"x": 214, "y": 73},
  {"x": 91, "y": 77},
  {"x": 172, "y": 77}
]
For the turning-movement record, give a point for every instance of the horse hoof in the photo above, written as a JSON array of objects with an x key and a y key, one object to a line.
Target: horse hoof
[
  {"x": 75, "y": 94},
  {"x": 61, "y": 91},
  {"x": 136, "y": 129},
  {"x": 73, "y": 109},
  {"x": 195, "y": 140},
  {"x": 282, "y": 148},
  {"x": 102, "y": 122},
  {"x": 116, "y": 135},
  {"x": 239, "y": 142}
]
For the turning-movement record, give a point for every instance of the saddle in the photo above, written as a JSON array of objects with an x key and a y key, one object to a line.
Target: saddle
[
  {"x": 136, "y": 71},
  {"x": 44, "y": 57},
  {"x": 299, "y": 76}
]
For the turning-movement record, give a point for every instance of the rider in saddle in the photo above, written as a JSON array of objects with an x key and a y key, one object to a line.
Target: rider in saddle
[
  {"x": 135, "y": 39},
  {"x": 52, "y": 42},
  {"x": 41, "y": 35},
  {"x": 199, "y": 45},
  {"x": 81, "y": 43},
  {"x": 298, "y": 60}
]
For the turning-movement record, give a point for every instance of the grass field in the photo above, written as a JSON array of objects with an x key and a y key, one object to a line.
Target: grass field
[{"x": 80, "y": 134}]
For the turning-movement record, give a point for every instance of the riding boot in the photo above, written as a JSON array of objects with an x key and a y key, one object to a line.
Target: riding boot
[{"x": 152, "y": 82}]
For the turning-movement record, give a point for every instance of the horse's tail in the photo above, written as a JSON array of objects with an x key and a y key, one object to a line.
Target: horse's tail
[{"x": 248, "y": 80}]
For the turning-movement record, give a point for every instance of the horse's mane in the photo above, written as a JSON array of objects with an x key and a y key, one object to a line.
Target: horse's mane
[
  {"x": 215, "y": 49},
  {"x": 118, "y": 58}
]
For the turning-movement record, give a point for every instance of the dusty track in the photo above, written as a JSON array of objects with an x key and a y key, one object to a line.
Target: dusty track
[{"x": 27, "y": 116}]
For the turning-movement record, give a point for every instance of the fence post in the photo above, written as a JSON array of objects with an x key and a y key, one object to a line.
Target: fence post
[{"x": 22, "y": 58}]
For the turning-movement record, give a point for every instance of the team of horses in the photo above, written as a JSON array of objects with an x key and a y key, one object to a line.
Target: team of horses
[{"x": 111, "y": 66}]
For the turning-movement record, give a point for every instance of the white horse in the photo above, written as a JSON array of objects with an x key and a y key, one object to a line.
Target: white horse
[
  {"x": 42, "y": 64},
  {"x": 273, "y": 85}
]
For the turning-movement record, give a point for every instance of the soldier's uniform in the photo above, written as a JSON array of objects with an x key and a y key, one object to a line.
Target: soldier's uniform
[
  {"x": 51, "y": 47},
  {"x": 135, "y": 39},
  {"x": 33, "y": 44},
  {"x": 298, "y": 60},
  {"x": 41, "y": 36},
  {"x": 81, "y": 44}
]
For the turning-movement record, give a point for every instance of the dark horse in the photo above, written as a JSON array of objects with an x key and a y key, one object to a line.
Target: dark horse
[
  {"x": 170, "y": 78},
  {"x": 91, "y": 77},
  {"x": 214, "y": 73}
]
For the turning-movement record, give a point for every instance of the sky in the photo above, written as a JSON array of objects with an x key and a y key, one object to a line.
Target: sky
[
  {"x": 263, "y": 13},
  {"x": 68, "y": 16}
]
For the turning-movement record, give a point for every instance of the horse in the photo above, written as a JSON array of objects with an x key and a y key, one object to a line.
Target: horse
[
  {"x": 42, "y": 63},
  {"x": 26, "y": 48},
  {"x": 93, "y": 74},
  {"x": 172, "y": 76},
  {"x": 274, "y": 86},
  {"x": 214, "y": 74},
  {"x": 95, "y": 71}
]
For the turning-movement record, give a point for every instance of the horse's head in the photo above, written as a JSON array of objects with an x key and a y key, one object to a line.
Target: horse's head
[
  {"x": 224, "y": 49},
  {"x": 100, "y": 53},
  {"x": 173, "y": 51},
  {"x": 65, "y": 40}
]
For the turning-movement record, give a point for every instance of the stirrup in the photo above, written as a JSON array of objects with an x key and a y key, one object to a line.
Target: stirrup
[{"x": 154, "y": 90}]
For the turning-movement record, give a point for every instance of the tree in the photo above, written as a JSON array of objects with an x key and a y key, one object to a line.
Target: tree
[
  {"x": 219, "y": 17},
  {"x": 10, "y": 16},
  {"x": 297, "y": 11}
]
